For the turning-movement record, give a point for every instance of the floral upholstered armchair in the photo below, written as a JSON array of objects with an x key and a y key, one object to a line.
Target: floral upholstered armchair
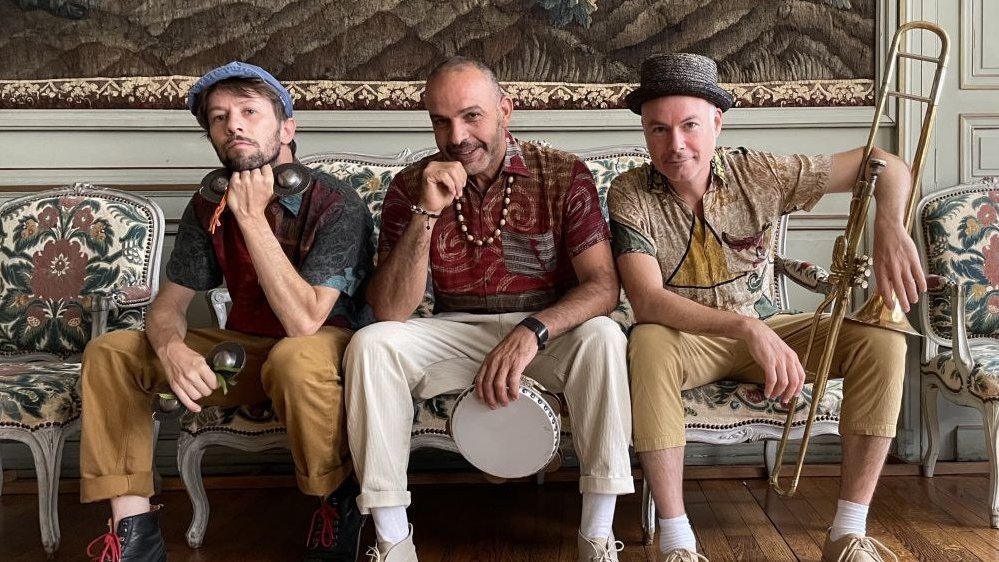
[
  {"x": 74, "y": 262},
  {"x": 725, "y": 412},
  {"x": 959, "y": 237}
]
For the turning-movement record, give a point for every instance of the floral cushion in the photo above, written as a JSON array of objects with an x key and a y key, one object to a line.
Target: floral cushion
[
  {"x": 722, "y": 405},
  {"x": 242, "y": 420},
  {"x": 63, "y": 249},
  {"x": 984, "y": 380},
  {"x": 39, "y": 395},
  {"x": 729, "y": 404},
  {"x": 961, "y": 238}
]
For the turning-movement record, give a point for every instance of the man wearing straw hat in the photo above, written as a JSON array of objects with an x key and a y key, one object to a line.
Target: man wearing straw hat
[{"x": 693, "y": 234}]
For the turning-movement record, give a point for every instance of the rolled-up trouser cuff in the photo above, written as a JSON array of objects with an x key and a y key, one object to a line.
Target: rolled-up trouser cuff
[
  {"x": 646, "y": 444},
  {"x": 107, "y": 487},
  {"x": 873, "y": 430},
  {"x": 613, "y": 486},
  {"x": 324, "y": 484},
  {"x": 368, "y": 500}
]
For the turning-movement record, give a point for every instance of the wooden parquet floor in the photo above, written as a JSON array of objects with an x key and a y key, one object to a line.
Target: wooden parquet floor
[{"x": 938, "y": 519}]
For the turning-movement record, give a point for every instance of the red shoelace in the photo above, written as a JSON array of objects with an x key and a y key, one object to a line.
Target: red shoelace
[
  {"x": 328, "y": 517},
  {"x": 109, "y": 545}
]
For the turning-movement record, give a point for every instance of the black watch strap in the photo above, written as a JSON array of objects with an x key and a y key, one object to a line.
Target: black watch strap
[{"x": 539, "y": 329}]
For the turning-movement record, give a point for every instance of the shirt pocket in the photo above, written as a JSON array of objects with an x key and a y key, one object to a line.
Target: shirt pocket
[
  {"x": 529, "y": 254},
  {"x": 747, "y": 246}
]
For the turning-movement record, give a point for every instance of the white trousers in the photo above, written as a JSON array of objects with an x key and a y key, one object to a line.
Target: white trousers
[{"x": 389, "y": 364}]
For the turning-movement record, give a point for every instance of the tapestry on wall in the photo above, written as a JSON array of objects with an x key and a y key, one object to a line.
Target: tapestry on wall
[{"x": 373, "y": 54}]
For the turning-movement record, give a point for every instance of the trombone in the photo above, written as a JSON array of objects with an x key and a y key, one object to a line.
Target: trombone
[{"x": 851, "y": 269}]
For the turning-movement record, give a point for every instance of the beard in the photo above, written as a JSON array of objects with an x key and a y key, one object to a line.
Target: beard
[{"x": 246, "y": 158}]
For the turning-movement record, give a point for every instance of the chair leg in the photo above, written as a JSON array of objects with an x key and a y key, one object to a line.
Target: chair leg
[
  {"x": 190, "y": 451},
  {"x": 46, "y": 449},
  {"x": 770, "y": 455},
  {"x": 648, "y": 514},
  {"x": 931, "y": 423},
  {"x": 991, "y": 415}
]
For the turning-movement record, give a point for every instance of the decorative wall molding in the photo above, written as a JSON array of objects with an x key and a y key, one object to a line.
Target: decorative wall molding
[
  {"x": 168, "y": 92},
  {"x": 418, "y": 121},
  {"x": 979, "y": 56},
  {"x": 979, "y": 145}
]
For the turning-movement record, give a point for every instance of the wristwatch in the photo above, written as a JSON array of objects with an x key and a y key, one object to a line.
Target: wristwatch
[{"x": 539, "y": 329}]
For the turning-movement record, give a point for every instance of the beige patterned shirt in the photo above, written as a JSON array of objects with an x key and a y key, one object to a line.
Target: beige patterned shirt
[{"x": 724, "y": 260}]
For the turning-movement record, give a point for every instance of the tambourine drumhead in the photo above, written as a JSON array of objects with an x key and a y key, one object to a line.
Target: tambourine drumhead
[{"x": 510, "y": 442}]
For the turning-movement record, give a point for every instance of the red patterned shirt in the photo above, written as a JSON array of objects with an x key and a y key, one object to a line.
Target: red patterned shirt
[{"x": 554, "y": 215}]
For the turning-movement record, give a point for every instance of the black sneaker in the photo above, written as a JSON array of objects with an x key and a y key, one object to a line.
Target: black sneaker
[{"x": 335, "y": 530}]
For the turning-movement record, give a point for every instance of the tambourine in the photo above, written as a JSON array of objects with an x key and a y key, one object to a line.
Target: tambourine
[
  {"x": 517, "y": 440},
  {"x": 226, "y": 359},
  {"x": 289, "y": 179}
]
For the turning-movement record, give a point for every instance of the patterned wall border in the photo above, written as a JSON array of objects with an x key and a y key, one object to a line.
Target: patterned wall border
[{"x": 167, "y": 92}]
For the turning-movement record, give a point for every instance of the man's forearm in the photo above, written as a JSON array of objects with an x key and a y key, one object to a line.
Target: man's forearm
[
  {"x": 164, "y": 328},
  {"x": 293, "y": 300},
  {"x": 400, "y": 281},
  {"x": 892, "y": 190},
  {"x": 664, "y": 307},
  {"x": 590, "y": 299}
]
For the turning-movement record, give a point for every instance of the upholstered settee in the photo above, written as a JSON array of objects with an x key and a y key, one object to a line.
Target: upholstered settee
[{"x": 722, "y": 413}]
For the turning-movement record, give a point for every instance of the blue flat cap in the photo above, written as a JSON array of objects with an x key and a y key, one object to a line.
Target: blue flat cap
[{"x": 236, "y": 69}]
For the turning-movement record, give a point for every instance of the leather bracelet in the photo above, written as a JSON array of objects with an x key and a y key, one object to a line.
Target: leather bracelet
[{"x": 417, "y": 210}]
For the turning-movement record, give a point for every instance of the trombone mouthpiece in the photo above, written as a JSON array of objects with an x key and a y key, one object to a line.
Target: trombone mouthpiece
[{"x": 877, "y": 165}]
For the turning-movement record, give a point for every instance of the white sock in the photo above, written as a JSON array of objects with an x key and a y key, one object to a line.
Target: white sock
[
  {"x": 598, "y": 515},
  {"x": 391, "y": 523},
  {"x": 850, "y": 518},
  {"x": 675, "y": 533}
]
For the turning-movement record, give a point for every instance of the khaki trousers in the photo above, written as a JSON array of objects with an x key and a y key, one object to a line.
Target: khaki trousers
[
  {"x": 389, "y": 364},
  {"x": 664, "y": 361},
  {"x": 300, "y": 375}
]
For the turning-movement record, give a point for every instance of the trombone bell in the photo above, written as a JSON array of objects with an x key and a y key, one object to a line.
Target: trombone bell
[{"x": 876, "y": 312}]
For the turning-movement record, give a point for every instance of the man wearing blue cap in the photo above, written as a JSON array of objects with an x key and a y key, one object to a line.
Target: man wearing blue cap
[{"x": 294, "y": 266}]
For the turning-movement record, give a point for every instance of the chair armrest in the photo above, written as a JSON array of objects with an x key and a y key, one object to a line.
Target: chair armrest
[
  {"x": 132, "y": 296},
  {"x": 941, "y": 287},
  {"x": 803, "y": 273},
  {"x": 217, "y": 300},
  {"x": 954, "y": 292}
]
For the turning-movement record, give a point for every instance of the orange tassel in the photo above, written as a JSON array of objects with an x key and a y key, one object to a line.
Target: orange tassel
[{"x": 216, "y": 216}]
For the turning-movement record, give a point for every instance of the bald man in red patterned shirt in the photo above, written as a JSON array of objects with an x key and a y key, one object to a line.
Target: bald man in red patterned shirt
[{"x": 519, "y": 258}]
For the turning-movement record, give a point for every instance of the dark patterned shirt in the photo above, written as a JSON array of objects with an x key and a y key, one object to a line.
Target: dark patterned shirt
[
  {"x": 724, "y": 260},
  {"x": 325, "y": 232},
  {"x": 554, "y": 215}
]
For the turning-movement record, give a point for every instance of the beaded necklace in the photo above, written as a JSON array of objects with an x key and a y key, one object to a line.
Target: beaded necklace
[{"x": 502, "y": 222}]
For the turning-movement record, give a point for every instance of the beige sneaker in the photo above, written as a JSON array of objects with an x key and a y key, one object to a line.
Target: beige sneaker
[
  {"x": 404, "y": 551},
  {"x": 855, "y": 548},
  {"x": 683, "y": 555},
  {"x": 598, "y": 549}
]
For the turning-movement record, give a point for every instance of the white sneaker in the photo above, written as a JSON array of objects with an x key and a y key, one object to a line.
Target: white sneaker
[
  {"x": 402, "y": 551},
  {"x": 599, "y": 549}
]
